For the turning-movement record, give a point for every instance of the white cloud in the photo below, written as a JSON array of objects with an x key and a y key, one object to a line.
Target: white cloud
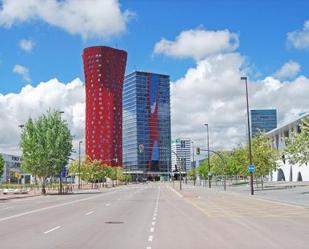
[
  {"x": 213, "y": 93},
  {"x": 22, "y": 71},
  {"x": 32, "y": 101},
  {"x": 288, "y": 70},
  {"x": 198, "y": 43},
  {"x": 26, "y": 45},
  {"x": 88, "y": 18},
  {"x": 299, "y": 39}
]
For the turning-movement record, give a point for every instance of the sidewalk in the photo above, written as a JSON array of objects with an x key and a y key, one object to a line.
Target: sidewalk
[
  {"x": 4, "y": 197},
  {"x": 37, "y": 192},
  {"x": 296, "y": 193}
]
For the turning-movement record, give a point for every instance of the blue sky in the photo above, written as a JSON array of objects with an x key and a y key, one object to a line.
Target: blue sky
[
  {"x": 262, "y": 27},
  {"x": 205, "y": 46}
]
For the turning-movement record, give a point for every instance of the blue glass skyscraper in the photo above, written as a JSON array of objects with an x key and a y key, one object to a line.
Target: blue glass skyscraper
[
  {"x": 146, "y": 123},
  {"x": 263, "y": 120}
]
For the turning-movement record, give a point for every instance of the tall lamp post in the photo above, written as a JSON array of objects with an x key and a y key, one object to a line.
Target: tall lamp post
[
  {"x": 208, "y": 158},
  {"x": 249, "y": 136},
  {"x": 193, "y": 164},
  {"x": 21, "y": 126},
  {"x": 60, "y": 176},
  {"x": 79, "y": 143}
]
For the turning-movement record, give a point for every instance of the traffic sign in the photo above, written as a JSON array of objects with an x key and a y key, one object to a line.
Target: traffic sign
[
  {"x": 140, "y": 148},
  {"x": 251, "y": 168}
]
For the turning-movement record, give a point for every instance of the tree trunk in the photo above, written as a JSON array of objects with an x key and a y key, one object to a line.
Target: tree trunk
[
  {"x": 43, "y": 187},
  {"x": 262, "y": 181},
  {"x": 60, "y": 185}
]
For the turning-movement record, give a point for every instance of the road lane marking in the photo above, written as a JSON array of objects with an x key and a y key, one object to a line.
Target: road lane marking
[
  {"x": 154, "y": 218},
  {"x": 176, "y": 192},
  {"x": 8, "y": 208},
  {"x": 107, "y": 204},
  {"x": 152, "y": 229},
  {"x": 150, "y": 238},
  {"x": 153, "y": 223},
  {"x": 91, "y": 212},
  {"x": 51, "y": 230},
  {"x": 148, "y": 247},
  {"x": 53, "y": 206}
]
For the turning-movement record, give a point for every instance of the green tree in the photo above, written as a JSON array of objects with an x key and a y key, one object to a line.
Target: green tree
[
  {"x": 76, "y": 170},
  {"x": 203, "y": 170},
  {"x": 264, "y": 156},
  {"x": 115, "y": 174},
  {"x": 237, "y": 162},
  {"x": 297, "y": 145},
  {"x": 192, "y": 174},
  {"x": 1, "y": 165},
  {"x": 46, "y": 145}
]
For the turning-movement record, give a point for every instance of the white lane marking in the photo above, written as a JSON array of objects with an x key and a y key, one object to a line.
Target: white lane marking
[
  {"x": 152, "y": 229},
  {"x": 53, "y": 206},
  {"x": 118, "y": 199},
  {"x": 150, "y": 238},
  {"x": 154, "y": 218},
  {"x": 148, "y": 247},
  {"x": 91, "y": 212},
  {"x": 8, "y": 208},
  {"x": 153, "y": 223},
  {"x": 155, "y": 214},
  {"x": 176, "y": 192},
  {"x": 107, "y": 204},
  {"x": 51, "y": 230}
]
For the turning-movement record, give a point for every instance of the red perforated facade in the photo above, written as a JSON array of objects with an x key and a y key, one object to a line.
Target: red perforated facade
[{"x": 104, "y": 69}]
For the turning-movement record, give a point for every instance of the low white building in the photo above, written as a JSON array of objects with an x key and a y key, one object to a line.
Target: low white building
[
  {"x": 12, "y": 164},
  {"x": 182, "y": 147},
  {"x": 287, "y": 171}
]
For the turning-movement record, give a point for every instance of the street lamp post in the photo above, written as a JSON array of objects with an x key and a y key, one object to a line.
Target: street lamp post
[
  {"x": 249, "y": 135},
  {"x": 60, "y": 177},
  {"x": 21, "y": 126},
  {"x": 180, "y": 175},
  {"x": 79, "y": 143},
  {"x": 208, "y": 158},
  {"x": 193, "y": 164}
]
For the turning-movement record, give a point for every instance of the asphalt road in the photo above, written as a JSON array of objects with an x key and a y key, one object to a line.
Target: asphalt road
[{"x": 151, "y": 216}]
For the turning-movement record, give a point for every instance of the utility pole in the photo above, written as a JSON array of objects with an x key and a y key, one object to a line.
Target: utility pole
[
  {"x": 208, "y": 157},
  {"x": 249, "y": 136},
  {"x": 193, "y": 164},
  {"x": 80, "y": 142}
]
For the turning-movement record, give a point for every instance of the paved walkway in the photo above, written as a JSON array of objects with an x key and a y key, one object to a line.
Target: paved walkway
[{"x": 295, "y": 193}]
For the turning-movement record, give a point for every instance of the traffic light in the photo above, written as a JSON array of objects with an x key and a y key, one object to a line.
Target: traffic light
[{"x": 198, "y": 150}]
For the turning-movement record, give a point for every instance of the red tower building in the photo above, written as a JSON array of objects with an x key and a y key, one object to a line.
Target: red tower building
[{"x": 104, "y": 69}]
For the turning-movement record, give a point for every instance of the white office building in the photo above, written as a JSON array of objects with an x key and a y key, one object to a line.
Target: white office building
[
  {"x": 181, "y": 147},
  {"x": 287, "y": 171},
  {"x": 11, "y": 165}
]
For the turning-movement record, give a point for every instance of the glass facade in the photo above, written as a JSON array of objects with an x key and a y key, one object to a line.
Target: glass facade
[
  {"x": 146, "y": 122},
  {"x": 263, "y": 120}
]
